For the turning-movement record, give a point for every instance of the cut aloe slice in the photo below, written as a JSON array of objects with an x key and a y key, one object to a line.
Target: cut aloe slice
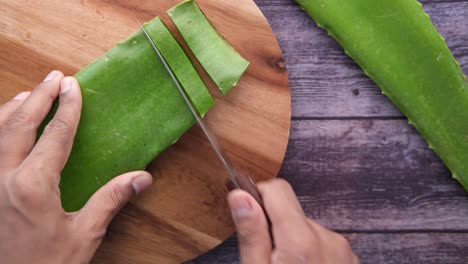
[
  {"x": 398, "y": 47},
  {"x": 222, "y": 63},
  {"x": 180, "y": 65},
  {"x": 131, "y": 112}
]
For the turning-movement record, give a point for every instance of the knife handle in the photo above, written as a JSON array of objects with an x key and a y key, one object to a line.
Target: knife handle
[{"x": 247, "y": 184}]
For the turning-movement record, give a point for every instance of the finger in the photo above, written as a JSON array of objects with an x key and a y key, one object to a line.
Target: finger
[
  {"x": 54, "y": 146},
  {"x": 18, "y": 134},
  {"x": 290, "y": 226},
  {"x": 10, "y": 107},
  {"x": 96, "y": 215},
  {"x": 252, "y": 229}
]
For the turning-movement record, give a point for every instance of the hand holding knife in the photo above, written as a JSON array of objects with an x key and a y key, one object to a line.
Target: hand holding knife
[{"x": 239, "y": 181}]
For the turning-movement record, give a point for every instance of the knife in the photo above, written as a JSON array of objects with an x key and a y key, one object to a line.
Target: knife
[{"x": 239, "y": 181}]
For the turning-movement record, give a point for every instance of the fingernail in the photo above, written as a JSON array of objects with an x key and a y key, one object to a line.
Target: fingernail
[
  {"x": 142, "y": 182},
  {"x": 241, "y": 208},
  {"x": 22, "y": 96},
  {"x": 51, "y": 76},
  {"x": 67, "y": 84}
]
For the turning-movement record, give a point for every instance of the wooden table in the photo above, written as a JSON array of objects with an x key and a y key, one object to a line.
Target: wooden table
[{"x": 355, "y": 163}]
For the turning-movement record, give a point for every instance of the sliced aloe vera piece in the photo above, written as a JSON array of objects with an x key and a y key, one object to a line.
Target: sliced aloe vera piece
[
  {"x": 180, "y": 65},
  {"x": 222, "y": 63},
  {"x": 131, "y": 112},
  {"x": 397, "y": 46}
]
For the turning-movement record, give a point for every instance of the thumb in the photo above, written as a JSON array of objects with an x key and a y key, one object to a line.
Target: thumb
[
  {"x": 107, "y": 201},
  {"x": 252, "y": 228}
]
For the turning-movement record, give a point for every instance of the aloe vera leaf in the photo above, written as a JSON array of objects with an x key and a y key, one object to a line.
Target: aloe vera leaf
[
  {"x": 398, "y": 47},
  {"x": 222, "y": 63},
  {"x": 181, "y": 65},
  {"x": 131, "y": 112}
]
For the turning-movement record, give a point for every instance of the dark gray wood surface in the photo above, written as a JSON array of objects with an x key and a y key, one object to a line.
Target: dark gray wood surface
[{"x": 355, "y": 163}]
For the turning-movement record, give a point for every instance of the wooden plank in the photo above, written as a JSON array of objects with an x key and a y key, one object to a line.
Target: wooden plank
[
  {"x": 327, "y": 83},
  {"x": 372, "y": 174},
  {"x": 411, "y": 248},
  {"x": 427, "y": 248}
]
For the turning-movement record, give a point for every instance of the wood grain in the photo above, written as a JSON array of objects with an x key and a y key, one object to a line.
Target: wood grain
[
  {"x": 185, "y": 213},
  {"x": 372, "y": 175},
  {"x": 390, "y": 248}
]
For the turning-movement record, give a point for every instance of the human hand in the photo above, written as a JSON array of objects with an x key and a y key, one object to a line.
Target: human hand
[
  {"x": 33, "y": 226},
  {"x": 297, "y": 239}
]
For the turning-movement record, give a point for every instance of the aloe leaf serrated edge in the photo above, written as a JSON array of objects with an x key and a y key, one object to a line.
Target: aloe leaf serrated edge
[{"x": 398, "y": 47}]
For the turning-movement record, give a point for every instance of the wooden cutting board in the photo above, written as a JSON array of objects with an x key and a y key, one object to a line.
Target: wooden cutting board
[{"x": 185, "y": 213}]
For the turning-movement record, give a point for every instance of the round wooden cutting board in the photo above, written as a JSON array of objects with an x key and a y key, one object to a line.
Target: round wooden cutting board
[{"x": 185, "y": 212}]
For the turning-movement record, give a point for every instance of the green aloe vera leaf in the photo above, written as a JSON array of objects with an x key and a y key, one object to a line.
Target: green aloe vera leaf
[
  {"x": 222, "y": 63},
  {"x": 132, "y": 111},
  {"x": 398, "y": 47},
  {"x": 181, "y": 65}
]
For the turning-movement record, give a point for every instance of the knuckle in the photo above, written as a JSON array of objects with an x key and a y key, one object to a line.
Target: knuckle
[
  {"x": 51, "y": 177},
  {"x": 10, "y": 104},
  {"x": 247, "y": 235},
  {"x": 251, "y": 231},
  {"x": 23, "y": 192},
  {"x": 117, "y": 197},
  {"x": 9, "y": 149},
  {"x": 44, "y": 88},
  {"x": 20, "y": 120},
  {"x": 58, "y": 125},
  {"x": 15, "y": 186}
]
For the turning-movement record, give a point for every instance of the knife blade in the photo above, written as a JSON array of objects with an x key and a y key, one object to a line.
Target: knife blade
[{"x": 240, "y": 181}]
